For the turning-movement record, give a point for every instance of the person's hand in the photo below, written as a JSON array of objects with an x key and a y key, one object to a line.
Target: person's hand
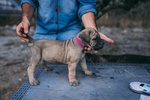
[
  {"x": 105, "y": 38},
  {"x": 102, "y": 36},
  {"x": 24, "y": 25}
]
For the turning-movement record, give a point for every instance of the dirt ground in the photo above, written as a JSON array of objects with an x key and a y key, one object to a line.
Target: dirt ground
[{"x": 14, "y": 53}]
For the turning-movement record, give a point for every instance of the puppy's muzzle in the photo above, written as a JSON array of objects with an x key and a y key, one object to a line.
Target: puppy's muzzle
[{"x": 99, "y": 44}]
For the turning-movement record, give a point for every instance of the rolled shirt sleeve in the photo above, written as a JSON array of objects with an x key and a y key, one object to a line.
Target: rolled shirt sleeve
[
  {"x": 86, "y": 6},
  {"x": 33, "y": 3}
]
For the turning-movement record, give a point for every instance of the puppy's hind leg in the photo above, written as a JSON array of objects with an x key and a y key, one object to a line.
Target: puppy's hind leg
[
  {"x": 34, "y": 61},
  {"x": 84, "y": 67}
]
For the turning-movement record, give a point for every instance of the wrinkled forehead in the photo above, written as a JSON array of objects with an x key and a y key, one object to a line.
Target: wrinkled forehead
[
  {"x": 94, "y": 33},
  {"x": 90, "y": 32}
]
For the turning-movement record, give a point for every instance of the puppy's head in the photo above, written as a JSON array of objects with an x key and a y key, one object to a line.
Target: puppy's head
[{"x": 91, "y": 38}]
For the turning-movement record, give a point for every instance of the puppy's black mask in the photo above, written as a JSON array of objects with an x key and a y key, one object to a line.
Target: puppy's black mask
[{"x": 99, "y": 43}]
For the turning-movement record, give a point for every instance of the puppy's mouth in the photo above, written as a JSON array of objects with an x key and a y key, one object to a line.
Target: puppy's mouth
[{"x": 99, "y": 44}]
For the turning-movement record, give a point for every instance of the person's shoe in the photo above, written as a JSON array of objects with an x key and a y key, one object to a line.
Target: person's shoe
[{"x": 140, "y": 87}]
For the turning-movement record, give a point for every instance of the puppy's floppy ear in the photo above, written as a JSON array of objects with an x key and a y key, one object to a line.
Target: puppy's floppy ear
[{"x": 85, "y": 36}]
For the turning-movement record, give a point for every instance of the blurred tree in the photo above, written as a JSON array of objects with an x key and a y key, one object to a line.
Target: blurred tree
[{"x": 104, "y": 6}]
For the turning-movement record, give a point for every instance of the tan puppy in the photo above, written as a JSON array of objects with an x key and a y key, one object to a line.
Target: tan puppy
[{"x": 67, "y": 52}]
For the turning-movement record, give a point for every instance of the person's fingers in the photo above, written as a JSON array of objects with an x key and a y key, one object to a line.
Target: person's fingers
[
  {"x": 95, "y": 52},
  {"x": 25, "y": 39},
  {"x": 19, "y": 27},
  {"x": 25, "y": 24},
  {"x": 84, "y": 51},
  {"x": 105, "y": 38},
  {"x": 87, "y": 49},
  {"x": 26, "y": 28}
]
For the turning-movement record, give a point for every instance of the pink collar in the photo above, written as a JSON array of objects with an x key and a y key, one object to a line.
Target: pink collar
[{"x": 78, "y": 41}]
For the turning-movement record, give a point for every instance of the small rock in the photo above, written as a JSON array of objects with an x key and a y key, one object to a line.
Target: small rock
[
  {"x": 125, "y": 31},
  {"x": 30, "y": 44},
  {"x": 21, "y": 46},
  {"x": 112, "y": 78},
  {"x": 24, "y": 74},
  {"x": 20, "y": 79},
  {"x": 137, "y": 30},
  {"x": 14, "y": 27}
]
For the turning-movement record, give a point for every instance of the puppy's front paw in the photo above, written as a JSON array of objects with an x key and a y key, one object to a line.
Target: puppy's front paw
[
  {"x": 74, "y": 82},
  {"x": 88, "y": 72},
  {"x": 34, "y": 82}
]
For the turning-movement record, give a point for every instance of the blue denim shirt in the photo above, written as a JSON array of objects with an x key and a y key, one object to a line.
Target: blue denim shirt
[{"x": 59, "y": 19}]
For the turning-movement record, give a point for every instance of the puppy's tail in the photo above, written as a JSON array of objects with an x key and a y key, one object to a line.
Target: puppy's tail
[{"x": 31, "y": 40}]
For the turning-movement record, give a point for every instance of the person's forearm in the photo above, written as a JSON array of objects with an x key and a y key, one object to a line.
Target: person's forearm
[
  {"x": 88, "y": 20},
  {"x": 27, "y": 11}
]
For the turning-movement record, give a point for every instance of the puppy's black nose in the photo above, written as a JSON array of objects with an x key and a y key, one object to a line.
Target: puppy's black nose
[
  {"x": 102, "y": 42},
  {"x": 99, "y": 45}
]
